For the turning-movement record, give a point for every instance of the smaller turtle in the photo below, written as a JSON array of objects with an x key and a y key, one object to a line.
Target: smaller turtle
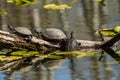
[
  {"x": 21, "y": 31},
  {"x": 69, "y": 44}
]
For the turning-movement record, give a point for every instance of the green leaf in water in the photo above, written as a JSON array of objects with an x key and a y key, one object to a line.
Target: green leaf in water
[
  {"x": 2, "y": 53},
  {"x": 9, "y": 58},
  {"x": 19, "y": 53},
  {"x": 102, "y": 2},
  {"x": 98, "y": 67},
  {"x": 25, "y": 53},
  {"x": 56, "y": 7},
  {"x": 78, "y": 54},
  {"x": 10, "y": 1},
  {"x": 111, "y": 62},
  {"x": 23, "y": 2},
  {"x": 95, "y": 67},
  {"x": 107, "y": 32},
  {"x": 108, "y": 68},
  {"x": 117, "y": 28},
  {"x": 3, "y": 12},
  {"x": 54, "y": 57}
]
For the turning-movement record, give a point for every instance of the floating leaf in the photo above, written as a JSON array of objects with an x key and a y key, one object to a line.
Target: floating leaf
[
  {"x": 64, "y": 6},
  {"x": 51, "y": 6},
  {"x": 3, "y": 12},
  {"x": 107, "y": 32},
  {"x": 117, "y": 28},
  {"x": 9, "y": 58},
  {"x": 108, "y": 68},
  {"x": 2, "y": 53},
  {"x": 23, "y": 2},
  {"x": 56, "y": 7},
  {"x": 102, "y": 2},
  {"x": 78, "y": 54},
  {"x": 10, "y": 1},
  {"x": 25, "y": 53},
  {"x": 111, "y": 62},
  {"x": 55, "y": 57},
  {"x": 95, "y": 67}
]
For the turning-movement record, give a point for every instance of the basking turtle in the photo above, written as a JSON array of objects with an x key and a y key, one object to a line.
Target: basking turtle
[
  {"x": 69, "y": 44},
  {"x": 21, "y": 31},
  {"x": 53, "y": 35},
  {"x": 56, "y": 36}
]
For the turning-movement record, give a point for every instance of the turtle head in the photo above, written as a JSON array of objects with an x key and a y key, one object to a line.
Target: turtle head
[
  {"x": 11, "y": 28},
  {"x": 72, "y": 35},
  {"x": 37, "y": 33},
  {"x": 69, "y": 35}
]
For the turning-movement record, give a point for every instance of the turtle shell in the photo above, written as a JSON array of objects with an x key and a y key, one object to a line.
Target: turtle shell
[
  {"x": 23, "y": 30},
  {"x": 53, "y": 34}
]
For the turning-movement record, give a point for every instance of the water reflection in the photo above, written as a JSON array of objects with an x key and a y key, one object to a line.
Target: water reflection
[
  {"x": 63, "y": 72},
  {"x": 76, "y": 69}
]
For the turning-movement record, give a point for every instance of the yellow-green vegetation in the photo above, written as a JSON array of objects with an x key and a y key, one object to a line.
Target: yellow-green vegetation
[
  {"x": 102, "y": 2},
  {"x": 107, "y": 32},
  {"x": 9, "y": 58},
  {"x": 111, "y": 62},
  {"x": 54, "y": 67},
  {"x": 58, "y": 55},
  {"x": 118, "y": 52},
  {"x": 3, "y": 12},
  {"x": 56, "y": 7},
  {"x": 21, "y": 2},
  {"x": 2, "y": 53},
  {"x": 110, "y": 32},
  {"x": 25, "y": 53},
  {"x": 78, "y": 54},
  {"x": 116, "y": 29},
  {"x": 105, "y": 68}
]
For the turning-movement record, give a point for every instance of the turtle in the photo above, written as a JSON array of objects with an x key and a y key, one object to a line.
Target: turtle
[
  {"x": 52, "y": 35},
  {"x": 69, "y": 44},
  {"x": 56, "y": 36},
  {"x": 21, "y": 31}
]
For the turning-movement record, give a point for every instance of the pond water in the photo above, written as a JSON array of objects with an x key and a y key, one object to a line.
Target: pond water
[
  {"x": 86, "y": 68},
  {"x": 79, "y": 20}
]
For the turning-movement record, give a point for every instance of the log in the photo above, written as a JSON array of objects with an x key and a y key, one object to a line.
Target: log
[{"x": 14, "y": 42}]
